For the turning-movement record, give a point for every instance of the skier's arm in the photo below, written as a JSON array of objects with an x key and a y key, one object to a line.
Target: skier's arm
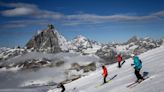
[{"x": 132, "y": 64}]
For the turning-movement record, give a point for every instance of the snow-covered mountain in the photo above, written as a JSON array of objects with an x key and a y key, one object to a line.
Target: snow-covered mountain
[
  {"x": 45, "y": 41},
  {"x": 50, "y": 40},
  {"x": 135, "y": 44},
  {"x": 64, "y": 44},
  {"x": 81, "y": 42},
  {"x": 152, "y": 64},
  {"x": 6, "y": 53},
  {"x": 85, "y": 46}
]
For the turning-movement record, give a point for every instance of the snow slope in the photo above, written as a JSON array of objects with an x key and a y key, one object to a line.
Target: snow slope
[{"x": 152, "y": 63}]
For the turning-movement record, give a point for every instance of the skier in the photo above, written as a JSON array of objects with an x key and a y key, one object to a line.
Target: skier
[
  {"x": 61, "y": 86},
  {"x": 119, "y": 59},
  {"x": 105, "y": 73},
  {"x": 137, "y": 66}
]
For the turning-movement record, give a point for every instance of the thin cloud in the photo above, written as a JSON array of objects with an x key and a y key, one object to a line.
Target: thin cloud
[
  {"x": 31, "y": 10},
  {"x": 23, "y": 23},
  {"x": 21, "y": 11},
  {"x": 159, "y": 14},
  {"x": 8, "y": 26}
]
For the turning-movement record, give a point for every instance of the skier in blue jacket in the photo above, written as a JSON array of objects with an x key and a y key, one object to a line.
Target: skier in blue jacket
[{"x": 137, "y": 67}]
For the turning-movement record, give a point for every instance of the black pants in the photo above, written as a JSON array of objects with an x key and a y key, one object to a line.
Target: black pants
[
  {"x": 119, "y": 65},
  {"x": 105, "y": 79},
  {"x": 63, "y": 90},
  {"x": 138, "y": 75}
]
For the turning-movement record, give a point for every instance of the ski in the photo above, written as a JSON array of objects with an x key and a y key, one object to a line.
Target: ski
[
  {"x": 103, "y": 83},
  {"x": 136, "y": 83},
  {"x": 107, "y": 81},
  {"x": 145, "y": 75}
]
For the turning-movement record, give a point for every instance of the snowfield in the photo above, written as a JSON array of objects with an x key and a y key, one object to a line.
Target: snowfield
[{"x": 153, "y": 63}]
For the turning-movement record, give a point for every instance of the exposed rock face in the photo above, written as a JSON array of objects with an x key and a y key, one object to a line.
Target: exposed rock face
[
  {"x": 133, "y": 39},
  {"x": 45, "y": 41},
  {"x": 108, "y": 54},
  {"x": 85, "y": 68},
  {"x": 89, "y": 67}
]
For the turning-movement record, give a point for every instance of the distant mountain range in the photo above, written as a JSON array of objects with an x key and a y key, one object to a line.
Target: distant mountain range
[{"x": 50, "y": 41}]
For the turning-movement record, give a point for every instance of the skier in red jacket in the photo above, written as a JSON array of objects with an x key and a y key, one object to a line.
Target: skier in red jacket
[
  {"x": 119, "y": 59},
  {"x": 105, "y": 73}
]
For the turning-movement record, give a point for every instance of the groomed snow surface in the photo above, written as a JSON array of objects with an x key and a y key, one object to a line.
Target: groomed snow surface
[{"x": 153, "y": 63}]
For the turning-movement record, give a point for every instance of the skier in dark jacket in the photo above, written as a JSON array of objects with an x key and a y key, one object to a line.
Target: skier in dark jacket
[
  {"x": 119, "y": 59},
  {"x": 105, "y": 73},
  {"x": 137, "y": 67}
]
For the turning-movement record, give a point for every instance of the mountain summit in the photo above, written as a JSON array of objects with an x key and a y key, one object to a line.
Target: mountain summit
[{"x": 46, "y": 40}]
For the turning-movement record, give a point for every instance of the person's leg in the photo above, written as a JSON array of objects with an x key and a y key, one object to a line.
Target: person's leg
[
  {"x": 137, "y": 74},
  {"x": 63, "y": 90},
  {"x": 119, "y": 65},
  {"x": 104, "y": 79},
  {"x": 140, "y": 76}
]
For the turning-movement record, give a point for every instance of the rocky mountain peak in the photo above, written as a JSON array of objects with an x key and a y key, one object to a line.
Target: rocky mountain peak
[
  {"x": 46, "y": 40},
  {"x": 133, "y": 39}
]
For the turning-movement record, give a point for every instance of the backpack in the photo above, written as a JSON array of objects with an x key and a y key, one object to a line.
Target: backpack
[{"x": 140, "y": 61}]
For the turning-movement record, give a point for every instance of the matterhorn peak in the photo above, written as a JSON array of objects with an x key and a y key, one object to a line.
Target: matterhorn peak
[
  {"x": 48, "y": 40},
  {"x": 45, "y": 40},
  {"x": 50, "y": 27}
]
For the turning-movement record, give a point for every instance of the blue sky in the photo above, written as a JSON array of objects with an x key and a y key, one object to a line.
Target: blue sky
[{"x": 100, "y": 20}]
